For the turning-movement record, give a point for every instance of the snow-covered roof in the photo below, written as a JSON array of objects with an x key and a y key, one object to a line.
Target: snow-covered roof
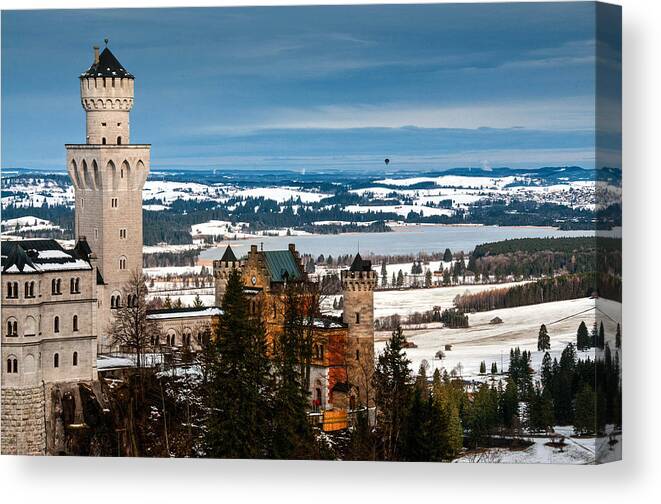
[
  {"x": 38, "y": 256},
  {"x": 328, "y": 323},
  {"x": 173, "y": 313}
]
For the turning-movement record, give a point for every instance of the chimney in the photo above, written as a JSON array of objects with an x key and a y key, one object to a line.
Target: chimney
[{"x": 96, "y": 55}]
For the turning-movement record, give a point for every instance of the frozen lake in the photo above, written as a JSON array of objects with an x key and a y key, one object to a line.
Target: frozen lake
[{"x": 402, "y": 240}]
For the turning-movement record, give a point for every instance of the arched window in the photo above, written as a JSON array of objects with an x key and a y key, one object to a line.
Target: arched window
[
  {"x": 103, "y": 140},
  {"x": 59, "y": 286},
  {"x": 357, "y": 354},
  {"x": 75, "y": 358},
  {"x": 29, "y": 289},
  {"x": 12, "y": 290},
  {"x": 122, "y": 263},
  {"x": 56, "y": 360},
  {"x": 12, "y": 365},
  {"x": 75, "y": 323},
  {"x": 56, "y": 324},
  {"x": 12, "y": 327},
  {"x": 119, "y": 140}
]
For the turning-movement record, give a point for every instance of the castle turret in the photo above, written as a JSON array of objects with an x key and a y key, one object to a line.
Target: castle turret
[
  {"x": 358, "y": 285},
  {"x": 108, "y": 174},
  {"x": 221, "y": 273}
]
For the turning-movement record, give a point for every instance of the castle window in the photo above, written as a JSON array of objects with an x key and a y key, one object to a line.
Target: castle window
[
  {"x": 122, "y": 234},
  {"x": 357, "y": 354},
  {"x": 75, "y": 285},
  {"x": 75, "y": 358},
  {"x": 113, "y": 202},
  {"x": 122, "y": 263},
  {"x": 12, "y": 365},
  {"x": 56, "y": 360},
  {"x": 103, "y": 124},
  {"x": 119, "y": 140},
  {"x": 357, "y": 318},
  {"x": 56, "y": 286},
  {"x": 75, "y": 323},
  {"x": 12, "y": 290},
  {"x": 56, "y": 324},
  {"x": 96, "y": 233},
  {"x": 12, "y": 327},
  {"x": 29, "y": 289},
  {"x": 103, "y": 141}
]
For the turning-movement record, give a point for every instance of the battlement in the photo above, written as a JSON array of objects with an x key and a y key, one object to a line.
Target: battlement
[{"x": 359, "y": 280}]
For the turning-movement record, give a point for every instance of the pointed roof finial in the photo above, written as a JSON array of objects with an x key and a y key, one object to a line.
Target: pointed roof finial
[{"x": 106, "y": 41}]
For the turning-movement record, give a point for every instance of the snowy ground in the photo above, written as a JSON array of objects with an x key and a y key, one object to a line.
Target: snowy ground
[
  {"x": 418, "y": 300},
  {"x": 492, "y": 343},
  {"x": 577, "y": 451}
]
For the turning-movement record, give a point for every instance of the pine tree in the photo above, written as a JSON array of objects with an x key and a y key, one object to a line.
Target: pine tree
[
  {"x": 540, "y": 417},
  {"x": 393, "y": 282},
  {"x": 392, "y": 393},
  {"x": 292, "y": 436},
  {"x": 415, "y": 446},
  {"x": 428, "y": 278},
  {"x": 482, "y": 414},
  {"x": 447, "y": 256},
  {"x": 543, "y": 339},
  {"x": 547, "y": 372},
  {"x": 585, "y": 420},
  {"x": 494, "y": 368},
  {"x": 197, "y": 302},
  {"x": 384, "y": 275},
  {"x": 618, "y": 337},
  {"x": 483, "y": 367},
  {"x": 594, "y": 336},
  {"x": 239, "y": 392},
  {"x": 509, "y": 404},
  {"x": 582, "y": 337},
  {"x": 602, "y": 336},
  {"x": 400, "y": 278}
]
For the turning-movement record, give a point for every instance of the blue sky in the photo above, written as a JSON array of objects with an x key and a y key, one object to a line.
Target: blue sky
[{"x": 428, "y": 86}]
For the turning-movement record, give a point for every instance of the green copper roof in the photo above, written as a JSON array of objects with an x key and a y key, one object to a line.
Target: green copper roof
[{"x": 281, "y": 264}]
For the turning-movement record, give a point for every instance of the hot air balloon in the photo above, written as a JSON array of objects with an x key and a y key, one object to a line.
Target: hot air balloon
[{"x": 387, "y": 161}]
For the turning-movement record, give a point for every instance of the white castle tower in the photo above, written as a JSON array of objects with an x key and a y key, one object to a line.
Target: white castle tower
[{"x": 108, "y": 173}]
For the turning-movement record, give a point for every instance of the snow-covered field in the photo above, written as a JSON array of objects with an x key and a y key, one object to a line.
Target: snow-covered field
[
  {"x": 418, "y": 300},
  {"x": 281, "y": 194},
  {"x": 483, "y": 341},
  {"x": 402, "y": 210}
]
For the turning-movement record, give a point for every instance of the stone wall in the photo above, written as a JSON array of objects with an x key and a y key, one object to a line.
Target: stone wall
[{"x": 23, "y": 429}]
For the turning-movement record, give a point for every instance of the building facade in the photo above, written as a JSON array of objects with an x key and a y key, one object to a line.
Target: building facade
[
  {"x": 342, "y": 362},
  {"x": 49, "y": 321}
]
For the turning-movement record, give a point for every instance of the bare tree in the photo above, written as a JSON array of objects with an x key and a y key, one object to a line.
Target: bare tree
[{"x": 130, "y": 328}]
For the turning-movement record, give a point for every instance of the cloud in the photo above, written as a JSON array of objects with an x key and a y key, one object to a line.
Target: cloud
[{"x": 576, "y": 113}]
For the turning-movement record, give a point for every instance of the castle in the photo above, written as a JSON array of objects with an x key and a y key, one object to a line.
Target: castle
[{"x": 57, "y": 304}]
